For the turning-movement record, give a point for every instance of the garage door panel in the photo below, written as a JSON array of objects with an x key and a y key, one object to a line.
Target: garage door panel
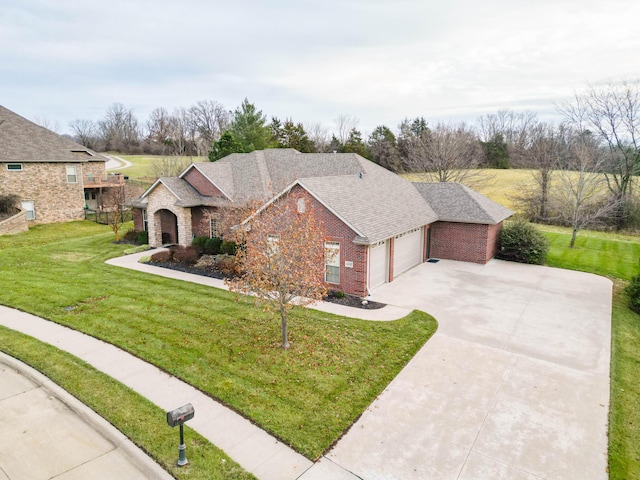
[
  {"x": 378, "y": 265},
  {"x": 407, "y": 251}
]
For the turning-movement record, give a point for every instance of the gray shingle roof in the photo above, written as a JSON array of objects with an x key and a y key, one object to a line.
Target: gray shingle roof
[
  {"x": 454, "y": 202},
  {"x": 186, "y": 195},
  {"x": 23, "y": 141},
  {"x": 376, "y": 203}
]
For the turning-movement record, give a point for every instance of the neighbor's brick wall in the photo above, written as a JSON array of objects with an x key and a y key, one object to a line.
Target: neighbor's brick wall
[
  {"x": 97, "y": 169},
  {"x": 353, "y": 280},
  {"x": 466, "y": 242},
  {"x": 198, "y": 181},
  {"x": 16, "y": 224},
  {"x": 138, "y": 223},
  {"x": 161, "y": 198},
  {"x": 46, "y": 185}
]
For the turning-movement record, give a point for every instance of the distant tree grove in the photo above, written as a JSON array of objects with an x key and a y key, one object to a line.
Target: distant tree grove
[{"x": 599, "y": 134}]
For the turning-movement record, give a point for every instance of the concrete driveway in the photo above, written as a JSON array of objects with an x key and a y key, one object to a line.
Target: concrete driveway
[{"x": 514, "y": 385}]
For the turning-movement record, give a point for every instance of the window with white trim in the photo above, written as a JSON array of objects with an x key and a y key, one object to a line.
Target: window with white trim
[
  {"x": 72, "y": 174},
  {"x": 302, "y": 206},
  {"x": 215, "y": 229},
  {"x": 14, "y": 167},
  {"x": 332, "y": 262},
  {"x": 145, "y": 220},
  {"x": 272, "y": 244},
  {"x": 30, "y": 208}
]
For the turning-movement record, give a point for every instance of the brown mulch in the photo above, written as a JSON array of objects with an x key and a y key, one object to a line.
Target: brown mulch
[{"x": 347, "y": 300}]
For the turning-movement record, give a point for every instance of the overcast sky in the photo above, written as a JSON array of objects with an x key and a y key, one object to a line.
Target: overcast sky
[{"x": 379, "y": 60}]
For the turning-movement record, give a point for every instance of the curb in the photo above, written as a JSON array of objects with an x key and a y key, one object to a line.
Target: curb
[{"x": 134, "y": 454}]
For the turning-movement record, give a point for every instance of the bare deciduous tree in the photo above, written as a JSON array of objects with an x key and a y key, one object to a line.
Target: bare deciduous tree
[
  {"x": 84, "y": 132},
  {"x": 446, "y": 153},
  {"x": 612, "y": 113},
  {"x": 344, "y": 125},
  {"x": 53, "y": 125},
  {"x": 168, "y": 166},
  {"x": 318, "y": 135},
  {"x": 209, "y": 119},
  {"x": 119, "y": 129},
  {"x": 579, "y": 196},
  {"x": 114, "y": 205},
  {"x": 543, "y": 148}
]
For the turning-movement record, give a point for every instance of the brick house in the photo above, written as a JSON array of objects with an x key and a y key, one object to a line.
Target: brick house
[
  {"x": 54, "y": 177},
  {"x": 377, "y": 224}
]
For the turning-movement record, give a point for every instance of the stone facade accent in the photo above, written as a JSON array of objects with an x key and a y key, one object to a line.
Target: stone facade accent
[
  {"x": 160, "y": 207},
  {"x": 16, "y": 224}
]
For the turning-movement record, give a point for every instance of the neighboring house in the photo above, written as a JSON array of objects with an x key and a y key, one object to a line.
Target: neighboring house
[
  {"x": 54, "y": 177},
  {"x": 378, "y": 225}
]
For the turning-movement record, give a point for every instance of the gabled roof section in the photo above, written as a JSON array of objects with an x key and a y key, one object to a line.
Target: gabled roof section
[
  {"x": 454, "y": 202},
  {"x": 261, "y": 174},
  {"x": 378, "y": 203},
  {"x": 186, "y": 195},
  {"x": 23, "y": 141}
]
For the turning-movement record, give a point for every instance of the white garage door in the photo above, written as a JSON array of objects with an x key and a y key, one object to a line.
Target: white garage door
[
  {"x": 407, "y": 251},
  {"x": 378, "y": 270}
]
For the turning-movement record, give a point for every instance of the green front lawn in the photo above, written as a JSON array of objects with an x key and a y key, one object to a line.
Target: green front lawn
[
  {"x": 307, "y": 396},
  {"x": 616, "y": 258}
]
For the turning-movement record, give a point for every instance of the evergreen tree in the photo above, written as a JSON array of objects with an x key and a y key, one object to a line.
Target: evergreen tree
[
  {"x": 496, "y": 151},
  {"x": 225, "y": 146},
  {"x": 291, "y": 135},
  {"x": 383, "y": 148},
  {"x": 249, "y": 128}
]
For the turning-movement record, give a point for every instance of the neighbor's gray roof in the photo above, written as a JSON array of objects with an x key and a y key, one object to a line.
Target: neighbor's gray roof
[
  {"x": 23, "y": 141},
  {"x": 454, "y": 202}
]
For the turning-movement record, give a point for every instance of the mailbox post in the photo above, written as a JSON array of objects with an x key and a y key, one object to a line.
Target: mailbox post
[{"x": 178, "y": 417}]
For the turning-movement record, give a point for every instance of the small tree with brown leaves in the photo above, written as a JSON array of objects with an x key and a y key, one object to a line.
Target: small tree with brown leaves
[
  {"x": 114, "y": 205},
  {"x": 282, "y": 263}
]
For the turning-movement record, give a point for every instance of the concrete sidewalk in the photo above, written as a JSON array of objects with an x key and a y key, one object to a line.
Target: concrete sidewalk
[
  {"x": 254, "y": 449},
  {"x": 47, "y": 433}
]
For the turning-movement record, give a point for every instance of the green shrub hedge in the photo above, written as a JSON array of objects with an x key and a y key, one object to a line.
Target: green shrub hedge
[{"x": 521, "y": 242}]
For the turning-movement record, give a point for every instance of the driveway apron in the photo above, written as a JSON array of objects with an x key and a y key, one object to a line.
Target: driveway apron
[{"x": 514, "y": 385}]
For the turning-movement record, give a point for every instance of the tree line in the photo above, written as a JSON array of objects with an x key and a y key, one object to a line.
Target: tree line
[{"x": 596, "y": 139}]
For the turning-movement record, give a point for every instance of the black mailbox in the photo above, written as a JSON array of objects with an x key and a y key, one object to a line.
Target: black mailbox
[{"x": 180, "y": 415}]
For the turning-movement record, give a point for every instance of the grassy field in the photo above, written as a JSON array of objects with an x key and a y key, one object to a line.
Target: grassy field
[
  {"x": 600, "y": 253},
  {"x": 306, "y": 396},
  {"x": 141, "y": 168}
]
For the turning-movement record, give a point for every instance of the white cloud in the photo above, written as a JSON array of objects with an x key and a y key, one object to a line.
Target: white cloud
[{"x": 310, "y": 60}]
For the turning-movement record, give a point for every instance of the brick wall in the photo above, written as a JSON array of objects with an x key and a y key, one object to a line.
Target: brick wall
[
  {"x": 198, "y": 181},
  {"x": 353, "y": 279},
  {"x": 466, "y": 242},
  {"x": 492, "y": 240},
  {"x": 15, "y": 224},
  {"x": 46, "y": 185}
]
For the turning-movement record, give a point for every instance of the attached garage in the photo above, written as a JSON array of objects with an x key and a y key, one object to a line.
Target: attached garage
[
  {"x": 378, "y": 264},
  {"x": 407, "y": 251}
]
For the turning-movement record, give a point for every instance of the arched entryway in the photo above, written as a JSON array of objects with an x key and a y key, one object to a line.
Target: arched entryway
[{"x": 168, "y": 226}]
